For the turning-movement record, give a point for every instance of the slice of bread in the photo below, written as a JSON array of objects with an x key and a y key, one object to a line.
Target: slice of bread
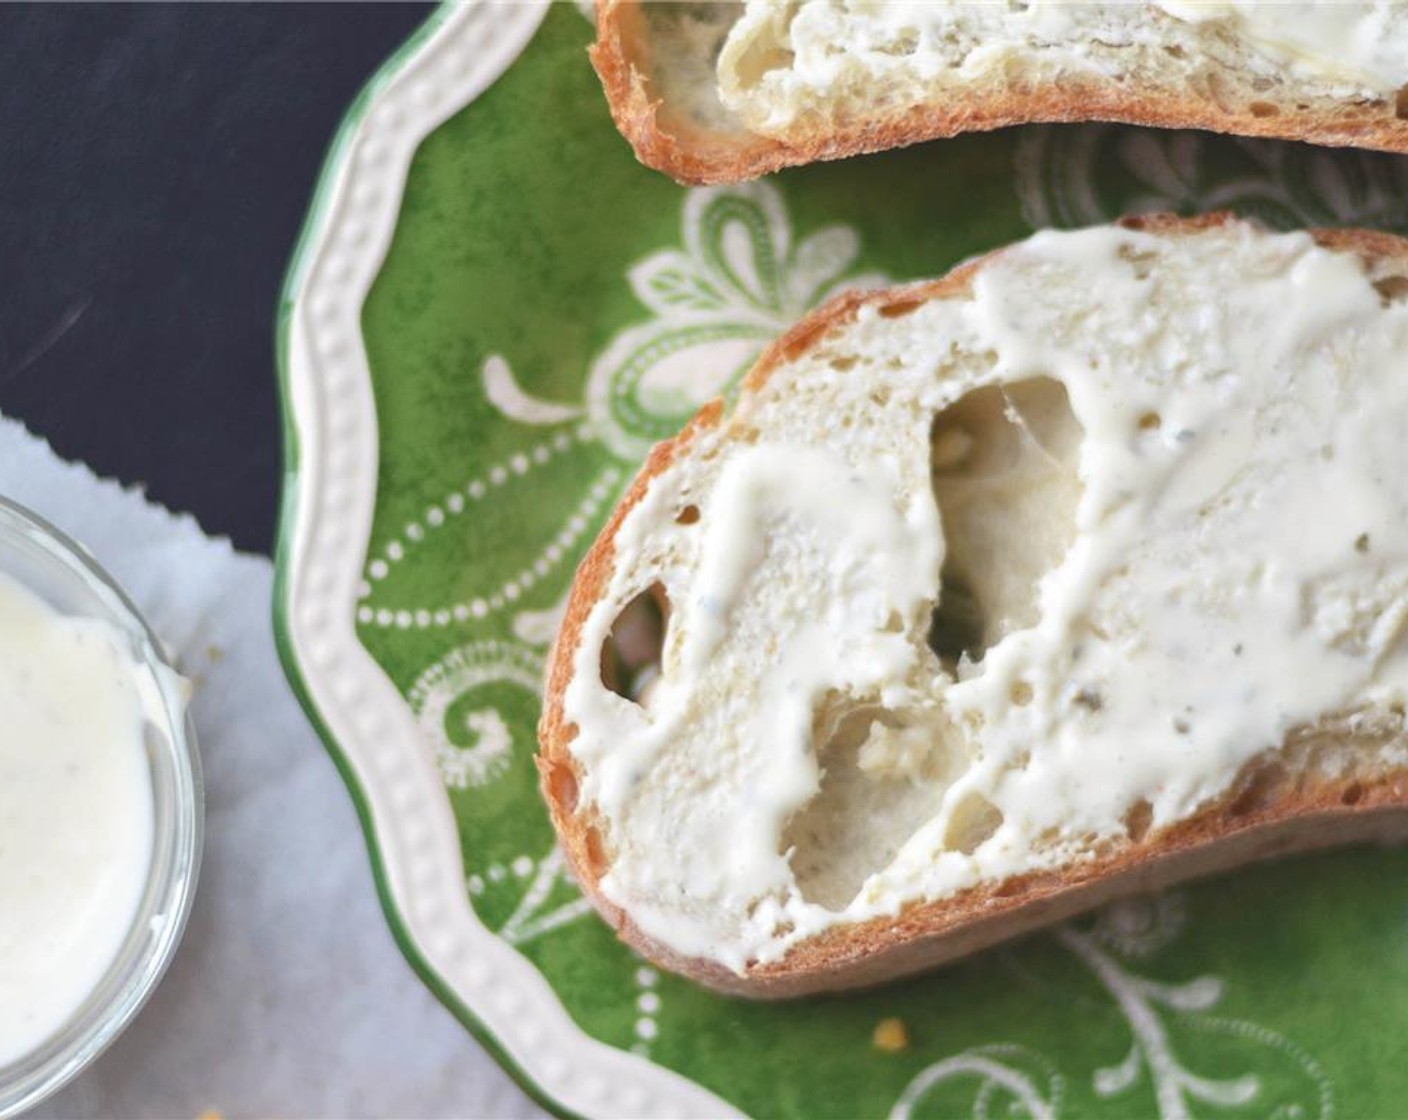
[
  {"x": 1078, "y": 572},
  {"x": 721, "y": 92}
]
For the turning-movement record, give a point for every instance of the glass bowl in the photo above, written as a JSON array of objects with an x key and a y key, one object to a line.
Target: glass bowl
[{"x": 61, "y": 572}]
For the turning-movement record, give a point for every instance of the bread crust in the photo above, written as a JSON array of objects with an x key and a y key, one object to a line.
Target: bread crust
[
  {"x": 1245, "y": 825},
  {"x": 623, "y": 57}
]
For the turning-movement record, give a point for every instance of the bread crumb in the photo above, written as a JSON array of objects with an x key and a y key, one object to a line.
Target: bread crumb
[{"x": 891, "y": 1036}]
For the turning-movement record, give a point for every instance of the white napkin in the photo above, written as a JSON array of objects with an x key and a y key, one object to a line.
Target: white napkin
[{"x": 288, "y": 996}]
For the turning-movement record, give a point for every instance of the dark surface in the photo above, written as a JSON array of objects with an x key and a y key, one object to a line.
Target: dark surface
[{"x": 155, "y": 165}]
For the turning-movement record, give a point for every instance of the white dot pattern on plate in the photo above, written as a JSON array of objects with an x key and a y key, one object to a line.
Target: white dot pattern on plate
[
  {"x": 512, "y": 589},
  {"x": 648, "y": 1005}
]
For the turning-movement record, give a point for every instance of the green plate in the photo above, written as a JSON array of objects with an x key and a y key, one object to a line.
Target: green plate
[{"x": 493, "y": 313}]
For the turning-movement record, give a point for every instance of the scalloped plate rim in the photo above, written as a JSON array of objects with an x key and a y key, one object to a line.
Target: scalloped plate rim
[{"x": 317, "y": 355}]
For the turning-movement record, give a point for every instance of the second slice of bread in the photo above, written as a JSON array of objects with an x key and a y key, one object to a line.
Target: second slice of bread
[{"x": 706, "y": 100}]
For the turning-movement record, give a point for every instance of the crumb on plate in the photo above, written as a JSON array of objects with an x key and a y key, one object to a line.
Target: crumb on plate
[{"x": 891, "y": 1036}]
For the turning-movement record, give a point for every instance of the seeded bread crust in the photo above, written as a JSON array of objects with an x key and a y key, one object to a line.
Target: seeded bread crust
[
  {"x": 627, "y": 57},
  {"x": 1262, "y": 815}
]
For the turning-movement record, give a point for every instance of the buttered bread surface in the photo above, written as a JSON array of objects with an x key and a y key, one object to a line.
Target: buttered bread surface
[{"x": 994, "y": 577}]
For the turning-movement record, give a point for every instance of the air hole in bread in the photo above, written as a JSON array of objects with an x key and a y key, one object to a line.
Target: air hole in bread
[
  {"x": 687, "y": 516},
  {"x": 1391, "y": 289},
  {"x": 1150, "y": 422},
  {"x": 1141, "y": 260},
  {"x": 973, "y": 822},
  {"x": 594, "y": 851},
  {"x": 562, "y": 786},
  {"x": 763, "y": 55},
  {"x": 883, "y": 777},
  {"x": 900, "y": 308},
  {"x": 1224, "y": 92},
  {"x": 630, "y": 656},
  {"x": 1263, "y": 109},
  {"x": 1262, "y": 786},
  {"x": 1011, "y": 887},
  {"x": 1137, "y": 820},
  {"x": 905, "y": 43},
  {"x": 1003, "y": 462},
  {"x": 1352, "y": 794}
]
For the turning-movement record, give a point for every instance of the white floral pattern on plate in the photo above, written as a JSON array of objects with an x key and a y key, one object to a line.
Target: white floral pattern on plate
[
  {"x": 736, "y": 281},
  {"x": 1076, "y": 176},
  {"x": 1135, "y": 929}
]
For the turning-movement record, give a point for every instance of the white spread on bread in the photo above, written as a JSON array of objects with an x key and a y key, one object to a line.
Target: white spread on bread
[
  {"x": 1364, "y": 42},
  {"x": 1228, "y": 540},
  {"x": 785, "y": 60}
]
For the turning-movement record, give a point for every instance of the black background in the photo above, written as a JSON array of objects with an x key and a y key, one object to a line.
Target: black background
[{"x": 155, "y": 166}]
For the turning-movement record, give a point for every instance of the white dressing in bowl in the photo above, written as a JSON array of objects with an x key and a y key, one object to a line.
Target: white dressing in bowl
[
  {"x": 101, "y": 809},
  {"x": 76, "y": 813}
]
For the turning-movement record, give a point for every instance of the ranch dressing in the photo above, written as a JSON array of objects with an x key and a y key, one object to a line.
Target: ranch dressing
[{"x": 76, "y": 812}]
